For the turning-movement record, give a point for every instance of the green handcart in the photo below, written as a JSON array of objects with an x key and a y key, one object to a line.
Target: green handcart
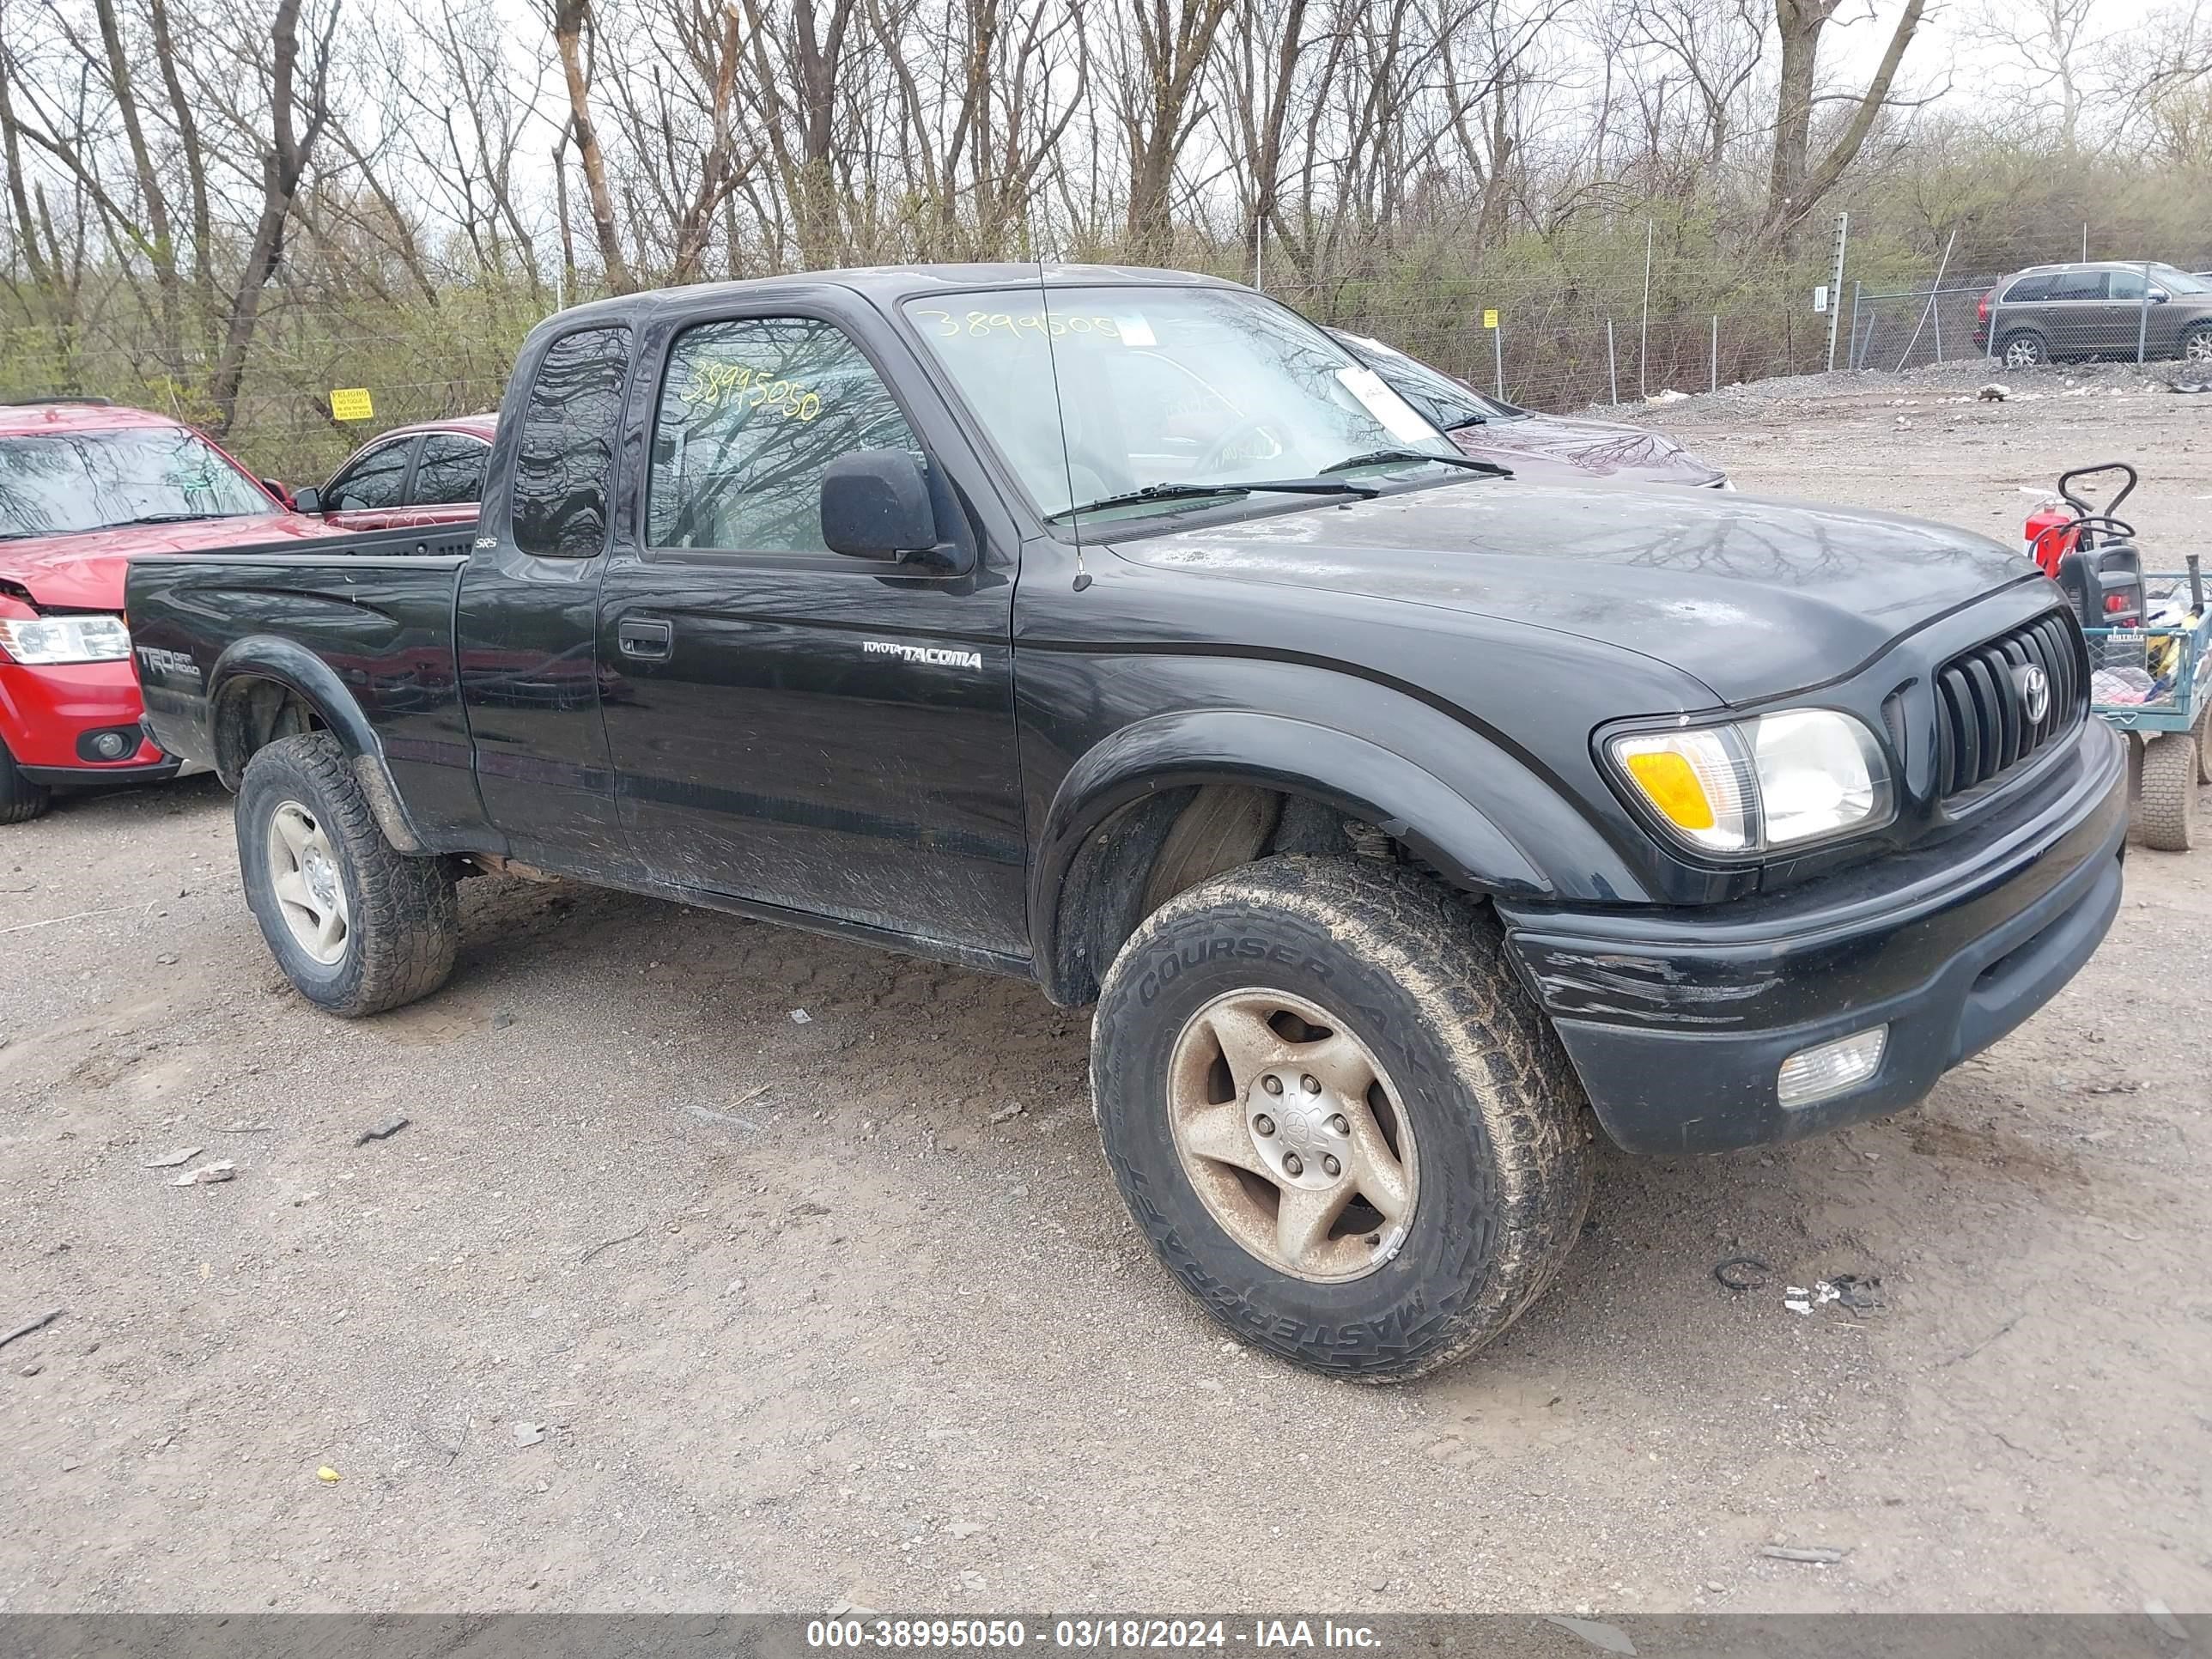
[{"x": 2155, "y": 683}]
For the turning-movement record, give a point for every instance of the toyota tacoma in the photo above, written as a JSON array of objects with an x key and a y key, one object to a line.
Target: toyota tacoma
[{"x": 1121, "y": 630}]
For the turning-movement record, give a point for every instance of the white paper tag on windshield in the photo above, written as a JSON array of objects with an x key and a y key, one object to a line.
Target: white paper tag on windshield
[
  {"x": 1398, "y": 416},
  {"x": 1134, "y": 330}
]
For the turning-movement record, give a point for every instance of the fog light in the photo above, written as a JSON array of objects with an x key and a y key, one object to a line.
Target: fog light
[
  {"x": 110, "y": 745},
  {"x": 1813, "y": 1074}
]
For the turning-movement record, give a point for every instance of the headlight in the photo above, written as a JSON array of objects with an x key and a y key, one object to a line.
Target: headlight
[
  {"x": 1759, "y": 784},
  {"x": 44, "y": 641}
]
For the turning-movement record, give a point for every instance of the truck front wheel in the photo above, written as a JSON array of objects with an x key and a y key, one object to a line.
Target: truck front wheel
[
  {"x": 357, "y": 926},
  {"x": 1341, "y": 1121}
]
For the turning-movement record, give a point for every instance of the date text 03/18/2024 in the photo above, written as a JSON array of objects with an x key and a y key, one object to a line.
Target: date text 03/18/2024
[{"x": 1282, "y": 1634}]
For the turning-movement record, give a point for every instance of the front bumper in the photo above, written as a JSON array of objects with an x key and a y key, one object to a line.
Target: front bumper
[
  {"x": 1678, "y": 1021},
  {"x": 47, "y": 715}
]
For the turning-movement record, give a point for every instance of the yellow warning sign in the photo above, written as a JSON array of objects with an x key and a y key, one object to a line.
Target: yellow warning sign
[
  {"x": 352, "y": 404},
  {"x": 1489, "y": 320}
]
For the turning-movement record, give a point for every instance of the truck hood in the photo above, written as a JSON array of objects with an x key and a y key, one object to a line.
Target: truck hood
[
  {"x": 1574, "y": 450},
  {"x": 85, "y": 571},
  {"x": 1754, "y": 598}
]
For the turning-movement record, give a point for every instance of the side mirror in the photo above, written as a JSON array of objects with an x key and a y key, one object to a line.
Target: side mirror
[
  {"x": 276, "y": 487},
  {"x": 306, "y": 498},
  {"x": 2158, "y": 296},
  {"x": 875, "y": 505}
]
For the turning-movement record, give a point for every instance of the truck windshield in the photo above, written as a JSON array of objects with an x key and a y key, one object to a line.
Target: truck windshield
[
  {"x": 59, "y": 484},
  {"x": 1098, "y": 395}
]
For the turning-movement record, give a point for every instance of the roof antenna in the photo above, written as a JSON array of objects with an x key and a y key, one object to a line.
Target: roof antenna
[{"x": 1060, "y": 410}]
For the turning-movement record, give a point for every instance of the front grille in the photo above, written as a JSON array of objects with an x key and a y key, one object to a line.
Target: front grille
[{"x": 1982, "y": 729}]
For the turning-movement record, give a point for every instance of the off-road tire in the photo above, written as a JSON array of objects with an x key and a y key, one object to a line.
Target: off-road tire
[
  {"x": 1417, "y": 973},
  {"x": 20, "y": 799},
  {"x": 2165, "y": 816},
  {"x": 403, "y": 920},
  {"x": 2032, "y": 342},
  {"x": 2203, "y": 738}
]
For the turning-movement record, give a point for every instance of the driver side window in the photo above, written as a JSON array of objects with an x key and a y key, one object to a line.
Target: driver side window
[{"x": 753, "y": 411}]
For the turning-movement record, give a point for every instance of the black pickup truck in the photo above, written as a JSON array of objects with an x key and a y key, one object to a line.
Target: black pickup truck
[{"x": 1118, "y": 629}]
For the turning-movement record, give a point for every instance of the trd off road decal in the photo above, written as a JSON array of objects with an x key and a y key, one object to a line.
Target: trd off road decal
[
  {"x": 169, "y": 663},
  {"x": 934, "y": 656}
]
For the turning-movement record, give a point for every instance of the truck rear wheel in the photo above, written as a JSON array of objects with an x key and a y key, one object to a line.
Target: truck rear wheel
[
  {"x": 357, "y": 926},
  {"x": 21, "y": 801},
  {"x": 1341, "y": 1121}
]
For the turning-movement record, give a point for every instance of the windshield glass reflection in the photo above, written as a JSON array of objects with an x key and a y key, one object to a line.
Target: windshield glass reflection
[{"x": 1163, "y": 388}]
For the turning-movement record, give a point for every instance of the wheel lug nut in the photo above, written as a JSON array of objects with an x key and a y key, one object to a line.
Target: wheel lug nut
[
  {"x": 1264, "y": 1124},
  {"x": 1272, "y": 1084},
  {"x": 1341, "y": 1124},
  {"x": 1293, "y": 1165},
  {"x": 1310, "y": 1084},
  {"x": 1329, "y": 1163}
]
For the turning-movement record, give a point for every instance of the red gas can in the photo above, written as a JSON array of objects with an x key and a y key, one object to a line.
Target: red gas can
[{"x": 2050, "y": 536}]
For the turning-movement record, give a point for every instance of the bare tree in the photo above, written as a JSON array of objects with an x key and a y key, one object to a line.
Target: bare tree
[
  {"x": 572, "y": 27},
  {"x": 1161, "y": 49},
  {"x": 798, "y": 80},
  {"x": 1796, "y": 184}
]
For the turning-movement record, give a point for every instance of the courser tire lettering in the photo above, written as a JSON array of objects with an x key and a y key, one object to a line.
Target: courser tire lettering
[{"x": 1415, "y": 972}]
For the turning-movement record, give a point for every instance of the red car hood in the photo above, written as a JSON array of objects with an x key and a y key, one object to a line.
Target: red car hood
[
  {"x": 85, "y": 572},
  {"x": 1563, "y": 447}
]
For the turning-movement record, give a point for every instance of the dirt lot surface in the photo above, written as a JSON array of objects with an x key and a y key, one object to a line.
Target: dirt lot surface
[{"x": 798, "y": 1313}]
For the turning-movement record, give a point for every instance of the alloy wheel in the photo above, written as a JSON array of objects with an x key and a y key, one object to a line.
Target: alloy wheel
[
  {"x": 303, "y": 872},
  {"x": 1292, "y": 1134}
]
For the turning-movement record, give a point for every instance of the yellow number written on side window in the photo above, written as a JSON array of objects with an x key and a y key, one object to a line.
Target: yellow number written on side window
[{"x": 748, "y": 387}]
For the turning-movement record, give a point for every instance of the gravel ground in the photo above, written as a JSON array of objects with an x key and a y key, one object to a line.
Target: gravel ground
[{"x": 665, "y": 1299}]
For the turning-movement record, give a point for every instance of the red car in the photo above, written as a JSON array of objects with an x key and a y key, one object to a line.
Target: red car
[
  {"x": 1560, "y": 448},
  {"x": 431, "y": 472},
  {"x": 83, "y": 486}
]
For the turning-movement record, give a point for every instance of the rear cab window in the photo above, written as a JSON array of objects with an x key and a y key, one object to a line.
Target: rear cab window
[
  {"x": 753, "y": 411},
  {"x": 564, "y": 458}
]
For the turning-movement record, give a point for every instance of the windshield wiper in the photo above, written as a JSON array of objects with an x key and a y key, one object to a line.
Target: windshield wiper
[
  {"x": 1376, "y": 457},
  {"x": 1180, "y": 492},
  {"x": 165, "y": 517}
]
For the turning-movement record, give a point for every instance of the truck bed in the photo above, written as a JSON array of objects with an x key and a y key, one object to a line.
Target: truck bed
[{"x": 373, "y": 612}]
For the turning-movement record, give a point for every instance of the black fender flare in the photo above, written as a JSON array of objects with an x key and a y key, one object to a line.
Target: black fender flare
[
  {"x": 1353, "y": 774},
  {"x": 267, "y": 659}
]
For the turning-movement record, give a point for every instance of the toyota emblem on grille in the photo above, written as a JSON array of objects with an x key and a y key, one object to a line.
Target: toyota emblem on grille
[{"x": 2035, "y": 691}]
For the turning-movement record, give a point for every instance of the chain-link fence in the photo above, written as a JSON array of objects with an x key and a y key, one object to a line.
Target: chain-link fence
[
  {"x": 1646, "y": 309},
  {"x": 2140, "y": 313}
]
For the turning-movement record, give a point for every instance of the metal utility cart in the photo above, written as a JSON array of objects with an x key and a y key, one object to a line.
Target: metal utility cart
[{"x": 2170, "y": 665}]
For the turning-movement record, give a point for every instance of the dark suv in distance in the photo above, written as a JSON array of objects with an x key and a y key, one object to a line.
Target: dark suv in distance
[{"x": 2047, "y": 312}]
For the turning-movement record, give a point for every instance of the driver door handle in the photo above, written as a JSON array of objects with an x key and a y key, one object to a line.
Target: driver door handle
[{"x": 646, "y": 642}]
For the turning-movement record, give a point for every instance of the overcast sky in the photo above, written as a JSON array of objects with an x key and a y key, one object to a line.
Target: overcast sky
[{"x": 1949, "y": 37}]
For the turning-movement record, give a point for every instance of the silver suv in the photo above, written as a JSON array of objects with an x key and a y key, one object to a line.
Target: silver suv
[{"x": 2098, "y": 310}]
